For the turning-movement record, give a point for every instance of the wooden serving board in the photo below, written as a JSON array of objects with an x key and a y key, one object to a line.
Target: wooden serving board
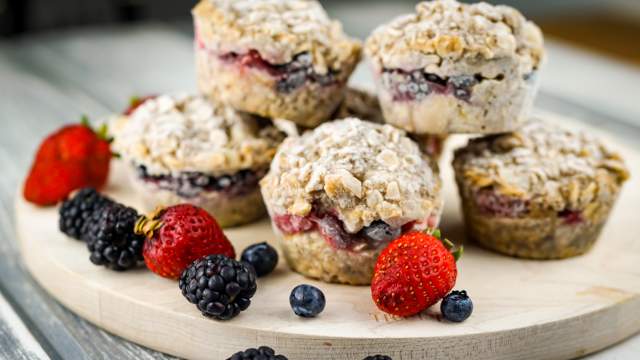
[{"x": 522, "y": 309}]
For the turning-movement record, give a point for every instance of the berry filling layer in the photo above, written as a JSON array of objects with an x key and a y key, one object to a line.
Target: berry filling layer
[
  {"x": 417, "y": 84},
  {"x": 289, "y": 76},
  {"x": 493, "y": 204},
  {"x": 375, "y": 236},
  {"x": 190, "y": 184}
]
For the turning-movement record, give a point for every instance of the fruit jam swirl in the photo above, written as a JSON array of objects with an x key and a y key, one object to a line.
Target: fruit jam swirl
[
  {"x": 374, "y": 236},
  {"x": 189, "y": 184},
  {"x": 489, "y": 202},
  {"x": 417, "y": 84},
  {"x": 288, "y": 76}
]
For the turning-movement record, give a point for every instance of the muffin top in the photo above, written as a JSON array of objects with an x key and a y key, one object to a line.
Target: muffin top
[
  {"x": 277, "y": 29},
  {"x": 553, "y": 168},
  {"x": 359, "y": 170},
  {"x": 446, "y": 30},
  {"x": 175, "y": 133}
]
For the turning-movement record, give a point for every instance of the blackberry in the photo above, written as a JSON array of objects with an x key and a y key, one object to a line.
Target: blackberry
[
  {"x": 457, "y": 306},
  {"x": 219, "y": 286},
  {"x": 111, "y": 240},
  {"x": 261, "y": 353},
  {"x": 263, "y": 257},
  {"x": 378, "y": 357},
  {"x": 75, "y": 211}
]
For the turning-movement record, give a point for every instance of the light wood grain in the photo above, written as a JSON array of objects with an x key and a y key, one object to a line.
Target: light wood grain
[{"x": 523, "y": 309}]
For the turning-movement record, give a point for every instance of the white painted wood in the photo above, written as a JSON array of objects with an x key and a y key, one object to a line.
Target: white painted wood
[
  {"x": 523, "y": 309},
  {"x": 16, "y": 342}
]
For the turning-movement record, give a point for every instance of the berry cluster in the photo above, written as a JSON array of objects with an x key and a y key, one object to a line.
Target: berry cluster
[{"x": 261, "y": 353}]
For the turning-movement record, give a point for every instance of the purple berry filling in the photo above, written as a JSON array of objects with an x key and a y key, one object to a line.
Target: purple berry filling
[
  {"x": 571, "y": 217},
  {"x": 491, "y": 203},
  {"x": 289, "y": 76},
  {"x": 190, "y": 184},
  {"x": 378, "y": 234}
]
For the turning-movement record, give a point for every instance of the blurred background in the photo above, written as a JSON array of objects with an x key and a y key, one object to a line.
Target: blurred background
[{"x": 611, "y": 26}]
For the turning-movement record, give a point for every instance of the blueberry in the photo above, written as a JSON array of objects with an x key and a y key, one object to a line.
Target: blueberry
[
  {"x": 307, "y": 300},
  {"x": 381, "y": 232},
  {"x": 263, "y": 257},
  {"x": 378, "y": 357},
  {"x": 291, "y": 81},
  {"x": 456, "y": 306}
]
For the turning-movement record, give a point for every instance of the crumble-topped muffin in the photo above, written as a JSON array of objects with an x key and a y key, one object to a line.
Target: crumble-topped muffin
[
  {"x": 275, "y": 58},
  {"x": 340, "y": 193},
  {"x": 541, "y": 192},
  {"x": 185, "y": 148},
  {"x": 363, "y": 105},
  {"x": 456, "y": 68}
]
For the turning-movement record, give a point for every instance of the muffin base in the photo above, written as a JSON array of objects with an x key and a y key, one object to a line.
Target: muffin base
[
  {"x": 494, "y": 107},
  {"x": 309, "y": 254},
  {"x": 253, "y": 91},
  {"x": 535, "y": 238},
  {"x": 228, "y": 211}
]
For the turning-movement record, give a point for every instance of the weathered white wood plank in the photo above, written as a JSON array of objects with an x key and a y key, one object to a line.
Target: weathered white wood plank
[{"x": 16, "y": 342}]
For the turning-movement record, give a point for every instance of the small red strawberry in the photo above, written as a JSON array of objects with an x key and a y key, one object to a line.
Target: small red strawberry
[
  {"x": 179, "y": 235},
  {"x": 413, "y": 272},
  {"x": 74, "y": 149},
  {"x": 50, "y": 181},
  {"x": 135, "y": 103}
]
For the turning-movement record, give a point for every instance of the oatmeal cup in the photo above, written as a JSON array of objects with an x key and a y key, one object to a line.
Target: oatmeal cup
[
  {"x": 278, "y": 59},
  {"x": 540, "y": 192},
  {"x": 337, "y": 195},
  {"x": 364, "y": 105},
  {"x": 186, "y": 149},
  {"x": 456, "y": 68}
]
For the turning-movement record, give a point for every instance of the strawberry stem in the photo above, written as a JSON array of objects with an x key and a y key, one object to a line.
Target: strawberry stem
[{"x": 457, "y": 254}]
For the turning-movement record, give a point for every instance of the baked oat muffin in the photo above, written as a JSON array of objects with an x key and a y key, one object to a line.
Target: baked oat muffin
[
  {"x": 339, "y": 194},
  {"x": 275, "y": 58},
  {"x": 540, "y": 192},
  {"x": 363, "y": 105},
  {"x": 456, "y": 68},
  {"x": 186, "y": 149}
]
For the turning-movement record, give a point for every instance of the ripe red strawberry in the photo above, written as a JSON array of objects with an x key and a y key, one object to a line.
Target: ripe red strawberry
[
  {"x": 412, "y": 273},
  {"x": 73, "y": 149},
  {"x": 135, "y": 103},
  {"x": 50, "y": 181},
  {"x": 179, "y": 235}
]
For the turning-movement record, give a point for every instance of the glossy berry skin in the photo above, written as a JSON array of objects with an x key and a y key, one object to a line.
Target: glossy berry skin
[
  {"x": 220, "y": 287},
  {"x": 457, "y": 306},
  {"x": 261, "y": 353},
  {"x": 263, "y": 257},
  {"x": 76, "y": 211},
  {"x": 307, "y": 301},
  {"x": 178, "y": 235},
  {"x": 412, "y": 273},
  {"x": 50, "y": 182},
  {"x": 378, "y": 357}
]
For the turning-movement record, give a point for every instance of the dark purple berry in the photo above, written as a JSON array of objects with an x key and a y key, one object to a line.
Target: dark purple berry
[
  {"x": 261, "y": 353},
  {"x": 457, "y": 306},
  {"x": 380, "y": 232},
  {"x": 307, "y": 300},
  {"x": 378, "y": 357},
  {"x": 76, "y": 212},
  {"x": 263, "y": 257}
]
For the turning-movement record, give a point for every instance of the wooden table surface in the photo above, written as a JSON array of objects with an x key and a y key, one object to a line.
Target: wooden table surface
[{"x": 50, "y": 79}]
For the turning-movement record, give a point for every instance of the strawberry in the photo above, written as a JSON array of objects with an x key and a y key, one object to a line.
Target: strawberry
[
  {"x": 135, "y": 103},
  {"x": 179, "y": 235},
  {"x": 73, "y": 149},
  {"x": 413, "y": 272},
  {"x": 50, "y": 181}
]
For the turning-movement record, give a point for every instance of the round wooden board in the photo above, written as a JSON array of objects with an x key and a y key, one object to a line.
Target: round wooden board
[{"x": 522, "y": 309}]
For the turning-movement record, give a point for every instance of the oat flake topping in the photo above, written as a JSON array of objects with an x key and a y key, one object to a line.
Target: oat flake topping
[
  {"x": 447, "y": 29},
  {"x": 361, "y": 170},
  {"x": 174, "y": 133},
  {"x": 278, "y": 29},
  {"x": 551, "y": 167}
]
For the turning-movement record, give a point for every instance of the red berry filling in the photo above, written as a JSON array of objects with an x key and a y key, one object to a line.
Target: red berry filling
[
  {"x": 491, "y": 203},
  {"x": 190, "y": 184},
  {"x": 374, "y": 236},
  {"x": 571, "y": 217}
]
